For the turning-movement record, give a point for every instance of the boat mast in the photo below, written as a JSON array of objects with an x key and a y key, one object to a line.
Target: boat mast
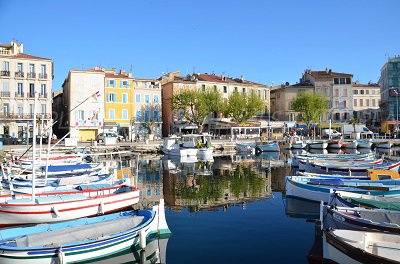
[{"x": 34, "y": 146}]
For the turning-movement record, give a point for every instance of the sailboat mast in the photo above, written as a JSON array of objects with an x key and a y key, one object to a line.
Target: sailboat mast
[{"x": 34, "y": 146}]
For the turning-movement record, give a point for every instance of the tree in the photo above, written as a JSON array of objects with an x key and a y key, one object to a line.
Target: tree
[
  {"x": 354, "y": 122},
  {"x": 197, "y": 104},
  {"x": 242, "y": 107},
  {"x": 310, "y": 106}
]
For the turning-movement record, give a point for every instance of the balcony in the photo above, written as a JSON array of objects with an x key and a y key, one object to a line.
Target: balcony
[
  {"x": 9, "y": 116},
  {"x": 42, "y": 75},
  {"x": 19, "y": 95},
  {"x": 5, "y": 94},
  {"x": 5, "y": 73},
  {"x": 5, "y": 52},
  {"x": 31, "y": 75},
  {"x": 43, "y": 95},
  {"x": 31, "y": 95},
  {"x": 19, "y": 74}
]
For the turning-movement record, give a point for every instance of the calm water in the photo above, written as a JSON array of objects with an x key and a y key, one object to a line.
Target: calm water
[{"x": 230, "y": 210}]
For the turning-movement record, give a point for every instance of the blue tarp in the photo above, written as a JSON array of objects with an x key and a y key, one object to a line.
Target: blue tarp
[{"x": 60, "y": 168}]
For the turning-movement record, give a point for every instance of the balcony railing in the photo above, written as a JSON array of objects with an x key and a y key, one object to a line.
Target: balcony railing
[
  {"x": 5, "y": 94},
  {"x": 19, "y": 95},
  {"x": 5, "y": 52},
  {"x": 31, "y": 75},
  {"x": 9, "y": 116},
  {"x": 31, "y": 95},
  {"x": 19, "y": 74},
  {"x": 42, "y": 75},
  {"x": 43, "y": 95},
  {"x": 5, "y": 73}
]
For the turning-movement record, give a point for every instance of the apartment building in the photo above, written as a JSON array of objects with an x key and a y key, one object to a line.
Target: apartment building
[
  {"x": 282, "y": 97},
  {"x": 21, "y": 77},
  {"x": 389, "y": 83},
  {"x": 366, "y": 100},
  {"x": 172, "y": 83},
  {"x": 83, "y": 101},
  {"x": 148, "y": 107},
  {"x": 119, "y": 103},
  {"x": 337, "y": 88}
]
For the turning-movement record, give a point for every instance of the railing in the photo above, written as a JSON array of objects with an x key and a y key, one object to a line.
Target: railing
[
  {"x": 19, "y": 74},
  {"x": 43, "y": 95},
  {"x": 42, "y": 75},
  {"x": 5, "y": 52},
  {"x": 31, "y": 95},
  {"x": 5, "y": 94},
  {"x": 19, "y": 95},
  {"x": 31, "y": 75},
  {"x": 5, "y": 73},
  {"x": 23, "y": 116}
]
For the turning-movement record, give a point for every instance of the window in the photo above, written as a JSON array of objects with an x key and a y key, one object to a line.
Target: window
[
  {"x": 155, "y": 99},
  {"x": 110, "y": 83},
  {"x": 111, "y": 97},
  {"x": 6, "y": 86},
  {"x": 43, "y": 108},
  {"x": 355, "y": 91},
  {"x": 111, "y": 114},
  {"x": 342, "y": 81},
  {"x": 366, "y": 102},
  {"x": 336, "y": 104},
  {"x": 327, "y": 93},
  {"x": 366, "y": 91},
  {"x": 225, "y": 89},
  {"x": 125, "y": 114},
  {"x": 345, "y": 104},
  {"x": 124, "y": 84},
  {"x": 361, "y": 102},
  {"x": 336, "y": 80},
  {"x": 265, "y": 95},
  {"x": 6, "y": 66},
  {"x": 215, "y": 87},
  {"x": 20, "y": 109},
  {"x": 31, "y": 68},
  {"x": 348, "y": 80},
  {"x": 373, "y": 102},
  {"x": 203, "y": 87},
  {"x": 155, "y": 115},
  {"x": 345, "y": 92},
  {"x": 137, "y": 98},
  {"x": 355, "y": 102},
  {"x": 236, "y": 89},
  {"x": 19, "y": 67},
  {"x": 125, "y": 98},
  {"x": 43, "y": 69},
  {"x": 181, "y": 85},
  {"x": 147, "y": 115},
  {"x": 147, "y": 98},
  {"x": 361, "y": 91},
  {"x": 6, "y": 108},
  {"x": 80, "y": 115},
  {"x": 244, "y": 90},
  {"x": 31, "y": 109},
  {"x": 337, "y": 92},
  {"x": 31, "y": 90},
  {"x": 20, "y": 88},
  {"x": 43, "y": 89},
  {"x": 138, "y": 116}
]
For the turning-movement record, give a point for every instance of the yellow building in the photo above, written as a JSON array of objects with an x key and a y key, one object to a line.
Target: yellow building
[{"x": 119, "y": 102}]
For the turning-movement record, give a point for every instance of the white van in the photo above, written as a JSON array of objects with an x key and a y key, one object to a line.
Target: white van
[
  {"x": 330, "y": 132},
  {"x": 362, "y": 129}
]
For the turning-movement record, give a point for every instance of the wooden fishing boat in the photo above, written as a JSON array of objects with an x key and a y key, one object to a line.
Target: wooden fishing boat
[
  {"x": 335, "y": 143},
  {"x": 358, "y": 218},
  {"x": 349, "y": 246},
  {"x": 297, "y": 143},
  {"x": 317, "y": 144},
  {"x": 364, "y": 143},
  {"x": 382, "y": 143},
  {"x": 351, "y": 199},
  {"x": 350, "y": 144},
  {"x": 298, "y": 157},
  {"x": 372, "y": 174},
  {"x": 85, "y": 200},
  {"x": 267, "y": 147},
  {"x": 317, "y": 190},
  {"x": 82, "y": 240}
]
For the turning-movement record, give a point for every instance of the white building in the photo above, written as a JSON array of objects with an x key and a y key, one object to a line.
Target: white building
[
  {"x": 84, "y": 108},
  {"x": 21, "y": 76}
]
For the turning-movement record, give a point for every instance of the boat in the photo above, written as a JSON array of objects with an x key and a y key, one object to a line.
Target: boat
[
  {"x": 382, "y": 143},
  {"x": 297, "y": 143},
  {"x": 82, "y": 240},
  {"x": 350, "y": 199},
  {"x": 269, "y": 146},
  {"x": 317, "y": 190},
  {"x": 330, "y": 156},
  {"x": 350, "y": 144},
  {"x": 317, "y": 144},
  {"x": 335, "y": 143},
  {"x": 364, "y": 143},
  {"x": 26, "y": 163},
  {"x": 249, "y": 148},
  {"x": 172, "y": 147},
  {"x": 350, "y": 246},
  {"x": 372, "y": 174},
  {"x": 86, "y": 200},
  {"x": 358, "y": 218},
  {"x": 188, "y": 145}
]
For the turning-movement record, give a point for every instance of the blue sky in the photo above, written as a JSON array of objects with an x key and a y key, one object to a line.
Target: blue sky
[{"x": 265, "y": 41}]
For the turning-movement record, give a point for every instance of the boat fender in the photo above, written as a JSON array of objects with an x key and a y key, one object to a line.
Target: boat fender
[
  {"x": 55, "y": 211},
  {"x": 142, "y": 239},
  {"x": 101, "y": 208},
  {"x": 60, "y": 255}
]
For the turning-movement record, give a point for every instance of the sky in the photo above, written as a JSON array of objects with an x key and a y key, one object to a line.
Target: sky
[{"x": 268, "y": 42}]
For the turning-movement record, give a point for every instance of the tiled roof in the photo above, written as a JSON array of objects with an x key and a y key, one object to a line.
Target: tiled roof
[
  {"x": 369, "y": 85},
  {"x": 28, "y": 56},
  {"x": 223, "y": 79},
  {"x": 328, "y": 74},
  {"x": 122, "y": 76},
  {"x": 303, "y": 84}
]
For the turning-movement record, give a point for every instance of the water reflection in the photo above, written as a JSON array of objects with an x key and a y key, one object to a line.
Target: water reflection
[{"x": 299, "y": 208}]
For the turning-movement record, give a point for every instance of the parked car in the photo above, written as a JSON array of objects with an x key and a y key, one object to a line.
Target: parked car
[
  {"x": 9, "y": 140},
  {"x": 330, "y": 132},
  {"x": 100, "y": 137}
]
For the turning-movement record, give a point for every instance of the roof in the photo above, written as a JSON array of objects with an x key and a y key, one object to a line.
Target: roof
[
  {"x": 28, "y": 56},
  {"x": 328, "y": 74},
  {"x": 122, "y": 76},
  {"x": 222, "y": 79},
  {"x": 369, "y": 85}
]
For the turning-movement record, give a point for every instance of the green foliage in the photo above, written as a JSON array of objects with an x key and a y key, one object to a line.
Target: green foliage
[
  {"x": 310, "y": 106},
  {"x": 242, "y": 107},
  {"x": 354, "y": 122}
]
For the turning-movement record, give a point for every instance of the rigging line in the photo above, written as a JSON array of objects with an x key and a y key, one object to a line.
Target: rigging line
[{"x": 58, "y": 119}]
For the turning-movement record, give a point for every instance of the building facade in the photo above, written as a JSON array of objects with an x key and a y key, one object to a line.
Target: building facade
[
  {"x": 21, "y": 77},
  {"x": 337, "y": 89},
  {"x": 366, "y": 101},
  {"x": 389, "y": 83},
  {"x": 119, "y": 102},
  {"x": 83, "y": 98}
]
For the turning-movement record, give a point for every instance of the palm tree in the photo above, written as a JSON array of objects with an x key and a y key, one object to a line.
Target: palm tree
[{"x": 354, "y": 122}]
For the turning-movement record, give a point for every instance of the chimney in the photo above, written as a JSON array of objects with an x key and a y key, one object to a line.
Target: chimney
[
  {"x": 326, "y": 70},
  {"x": 241, "y": 78},
  {"x": 121, "y": 72}
]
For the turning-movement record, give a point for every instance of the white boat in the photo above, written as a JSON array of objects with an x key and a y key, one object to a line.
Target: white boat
[
  {"x": 382, "y": 143},
  {"x": 172, "y": 146},
  {"x": 335, "y": 143},
  {"x": 330, "y": 156},
  {"x": 364, "y": 143},
  {"x": 349, "y": 246},
  {"x": 64, "y": 205},
  {"x": 83, "y": 240},
  {"x": 350, "y": 144},
  {"x": 26, "y": 163},
  {"x": 267, "y": 147},
  {"x": 188, "y": 145},
  {"x": 249, "y": 148},
  {"x": 298, "y": 143},
  {"x": 317, "y": 144}
]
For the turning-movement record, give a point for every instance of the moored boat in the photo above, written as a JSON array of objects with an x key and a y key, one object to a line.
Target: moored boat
[
  {"x": 382, "y": 143},
  {"x": 350, "y": 144},
  {"x": 364, "y": 143},
  {"x": 317, "y": 144},
  {"x": 335, "y": 143},
  {"x": 82, "y": 240},
  {"x": 267, "y": 147}
]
